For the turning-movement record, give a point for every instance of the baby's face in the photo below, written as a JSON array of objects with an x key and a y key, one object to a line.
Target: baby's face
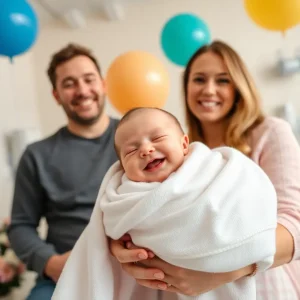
[{"x": 151, "y": 146}]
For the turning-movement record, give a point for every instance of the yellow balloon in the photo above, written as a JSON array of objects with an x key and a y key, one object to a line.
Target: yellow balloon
[
  {"x": 137, "y": 79},
  {"x": 277, "y": 15}
]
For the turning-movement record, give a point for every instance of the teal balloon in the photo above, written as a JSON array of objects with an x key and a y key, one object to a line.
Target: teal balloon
[
  {"x": 18, "y": 27},
  {"x": 182, "y": 36}
]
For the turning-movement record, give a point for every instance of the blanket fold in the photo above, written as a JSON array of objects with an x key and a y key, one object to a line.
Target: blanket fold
[{"x": 216, "y": 213}]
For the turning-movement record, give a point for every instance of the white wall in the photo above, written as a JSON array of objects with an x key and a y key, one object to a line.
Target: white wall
[
  {"x": 18, "y": 104},
  {"x": 141, "y": 30},
  {"x": 18, "y": 110}
]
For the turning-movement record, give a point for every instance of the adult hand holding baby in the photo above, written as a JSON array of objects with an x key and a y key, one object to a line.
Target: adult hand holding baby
[
  {"x": 158, "y": 274},
  {"x": 128, "y": 254}
]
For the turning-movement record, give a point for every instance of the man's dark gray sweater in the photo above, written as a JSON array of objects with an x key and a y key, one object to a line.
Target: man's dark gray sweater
[{"x": 58, "y": 178}]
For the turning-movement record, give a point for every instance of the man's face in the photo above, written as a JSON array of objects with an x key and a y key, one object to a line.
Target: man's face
[{"x": 80, "y": 90}]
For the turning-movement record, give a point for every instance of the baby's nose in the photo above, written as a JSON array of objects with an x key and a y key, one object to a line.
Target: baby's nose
[{"x": 146, "y": 150}]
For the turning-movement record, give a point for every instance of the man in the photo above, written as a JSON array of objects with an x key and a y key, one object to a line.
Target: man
[{"x": 59, "y": 177}]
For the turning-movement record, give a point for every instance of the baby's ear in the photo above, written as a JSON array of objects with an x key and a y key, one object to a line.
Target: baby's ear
[{"x": 185, "y": 144}]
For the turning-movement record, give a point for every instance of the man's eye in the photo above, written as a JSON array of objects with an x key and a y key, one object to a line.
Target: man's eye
[
  {"x": 90, "y": 80},
  {"x": 68, "y": 84}
]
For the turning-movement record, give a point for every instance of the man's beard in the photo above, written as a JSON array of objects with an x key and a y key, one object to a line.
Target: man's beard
[{"x": 86, "y": 121}]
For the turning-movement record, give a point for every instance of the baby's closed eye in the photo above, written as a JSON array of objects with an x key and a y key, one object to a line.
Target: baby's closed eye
[
  {"x": 130, "y": 151},
  {"x": 159, "y": 138}
]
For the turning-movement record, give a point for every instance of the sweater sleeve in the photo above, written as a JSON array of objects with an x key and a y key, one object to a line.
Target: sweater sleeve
[
  {"x": 27, "y": 210},
  {"x": 280, "y": 159}
]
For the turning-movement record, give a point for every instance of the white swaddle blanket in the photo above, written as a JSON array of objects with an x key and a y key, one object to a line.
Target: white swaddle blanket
[{"x": 216, "y": 213}]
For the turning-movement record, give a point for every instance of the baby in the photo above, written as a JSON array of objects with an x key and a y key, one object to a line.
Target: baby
[
  {"x": 150, "y": 144},
  {"x": 197, "y": 208}
]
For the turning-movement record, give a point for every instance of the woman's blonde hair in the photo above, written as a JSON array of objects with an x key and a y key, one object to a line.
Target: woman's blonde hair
[{"x": 246, "y": 113}]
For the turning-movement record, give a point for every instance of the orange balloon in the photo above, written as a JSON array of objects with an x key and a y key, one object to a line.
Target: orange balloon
[{"x": 137, "y": 79}]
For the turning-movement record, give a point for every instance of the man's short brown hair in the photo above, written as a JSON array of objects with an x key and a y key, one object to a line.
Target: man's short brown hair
[{"x": 65, "y": 54}]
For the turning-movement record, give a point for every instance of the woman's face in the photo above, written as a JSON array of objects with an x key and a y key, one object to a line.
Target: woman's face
[{"x": 210, "y": 90}]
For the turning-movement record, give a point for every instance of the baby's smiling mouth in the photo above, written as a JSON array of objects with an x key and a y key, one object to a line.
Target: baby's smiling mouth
[{"x": 153, "y": 164}]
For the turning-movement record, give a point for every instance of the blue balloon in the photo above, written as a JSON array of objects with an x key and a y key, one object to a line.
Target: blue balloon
[
  {"x": 18, "y": 27},
  {"x": 182, "y": 36}
]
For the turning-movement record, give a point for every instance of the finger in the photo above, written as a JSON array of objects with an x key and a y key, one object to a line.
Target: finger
[
  {"x": 170, "y": 281},
  {"x": 125, "y": 256},
  {"x": 139, "y": 272},
  {"x": 150, "y": 254},
  {"x": 130, "y": 245},
  {"x": 161, "y": 265},
  {"x": 158, "y": 285},
  {"x": 153, "y": 284},
  {"x": 174, "y": 286},
  {"x": 173, "y": 289},
  {"x": 126, "y": 237}
]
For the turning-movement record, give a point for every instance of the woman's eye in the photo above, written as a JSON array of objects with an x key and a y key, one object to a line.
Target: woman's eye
[
  {"x": 223, "y": 80},
  {"x": 199, "y": 79}
]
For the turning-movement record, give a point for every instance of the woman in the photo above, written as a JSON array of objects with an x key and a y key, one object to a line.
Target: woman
[{"x": 223, "y": 108}]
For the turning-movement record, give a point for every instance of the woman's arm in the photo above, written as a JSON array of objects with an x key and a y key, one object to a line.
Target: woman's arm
[
  {"x": 280, "y": 159},
  {"x": 284, "y": 246}
]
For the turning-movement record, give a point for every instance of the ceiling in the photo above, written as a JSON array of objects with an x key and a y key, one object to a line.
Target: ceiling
[{"x": 74, "y": 12}]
